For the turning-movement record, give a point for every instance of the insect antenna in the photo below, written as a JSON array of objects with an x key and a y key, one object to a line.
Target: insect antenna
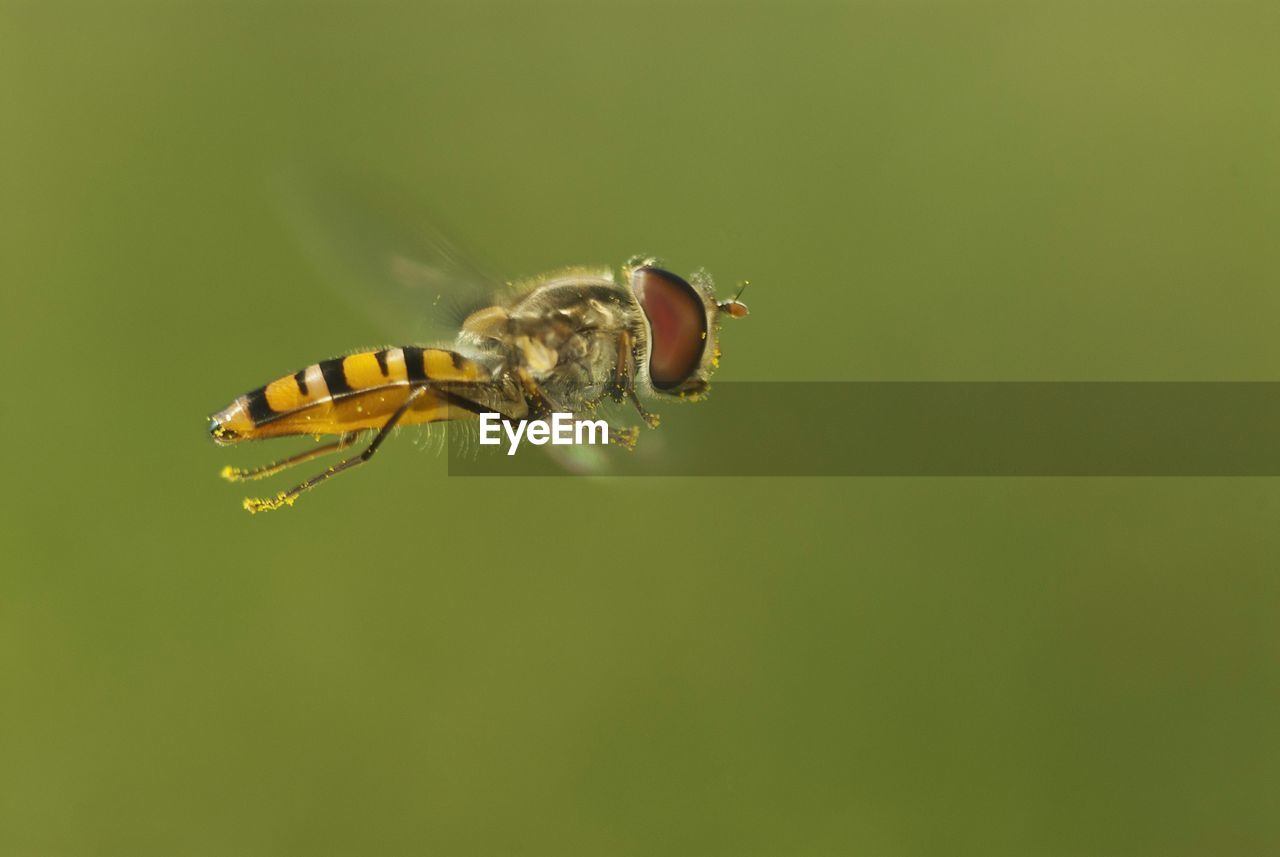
[{"x": 734, "y": 307}]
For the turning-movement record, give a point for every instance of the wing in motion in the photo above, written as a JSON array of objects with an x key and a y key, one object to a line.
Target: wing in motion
[{"x": 378, "y": 252}]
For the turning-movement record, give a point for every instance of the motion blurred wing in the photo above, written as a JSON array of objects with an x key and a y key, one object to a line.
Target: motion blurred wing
[{"x": 384, "y": 258}]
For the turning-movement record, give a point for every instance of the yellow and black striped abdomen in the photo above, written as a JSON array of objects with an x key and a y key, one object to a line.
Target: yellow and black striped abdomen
[{"x": 346, "y": 394}]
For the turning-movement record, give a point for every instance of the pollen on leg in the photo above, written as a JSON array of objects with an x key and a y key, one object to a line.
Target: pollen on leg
[
  {"x": 254, "y": 505},
  {"x": 236, "y": 474},
  {"x": 626, "y": 438}
]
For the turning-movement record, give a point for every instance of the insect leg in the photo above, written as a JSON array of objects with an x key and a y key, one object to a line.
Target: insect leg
[
  {"x": 236, "y": 474},
  {"x": 624, "y": 383},
  {"x": 287, "y": 498},
  {"x": 651, "y": 420},
  {"x": 626, "y": 437},
  {"x": 539, "y": 405}
]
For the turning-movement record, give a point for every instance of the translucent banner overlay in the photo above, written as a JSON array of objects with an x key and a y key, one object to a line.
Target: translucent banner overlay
[{"x": 925, "y": 429}]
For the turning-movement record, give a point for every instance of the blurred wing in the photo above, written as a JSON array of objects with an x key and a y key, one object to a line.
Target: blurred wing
[{"x": 384, "y": 258}]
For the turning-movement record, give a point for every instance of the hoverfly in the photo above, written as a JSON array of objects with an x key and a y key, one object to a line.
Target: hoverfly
[{"x": 564, "y": 342}]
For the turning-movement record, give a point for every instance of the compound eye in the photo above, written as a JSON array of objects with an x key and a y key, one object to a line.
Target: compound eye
[{"x": 677, "y": 325}]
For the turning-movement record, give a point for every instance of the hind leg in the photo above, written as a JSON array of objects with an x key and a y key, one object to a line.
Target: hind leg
[
  {"x": 288, "y": 498},
  {"x": 236, "y": 474}
]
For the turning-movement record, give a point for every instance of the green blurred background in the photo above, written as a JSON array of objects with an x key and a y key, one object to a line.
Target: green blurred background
[{"x": 408, "y": 663}]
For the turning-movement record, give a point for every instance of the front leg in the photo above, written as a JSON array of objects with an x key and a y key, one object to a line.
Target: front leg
[
  {"x": 622, "y": 386},
  {"x": 540, "y": 407}
]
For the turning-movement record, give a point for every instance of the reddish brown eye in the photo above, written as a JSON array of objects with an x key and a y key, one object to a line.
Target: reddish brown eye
[{"x": 677, "y": 324}]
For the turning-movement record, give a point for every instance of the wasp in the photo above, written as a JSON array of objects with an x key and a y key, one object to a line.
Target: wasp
[{"x": 564, "y": 342}]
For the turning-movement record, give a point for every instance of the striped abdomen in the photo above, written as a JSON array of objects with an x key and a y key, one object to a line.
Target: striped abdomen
[{"x": 346, "y": 394}]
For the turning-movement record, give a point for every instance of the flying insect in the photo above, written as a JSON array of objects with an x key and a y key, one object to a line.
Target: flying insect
[{"x": 564, "y": 342}]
